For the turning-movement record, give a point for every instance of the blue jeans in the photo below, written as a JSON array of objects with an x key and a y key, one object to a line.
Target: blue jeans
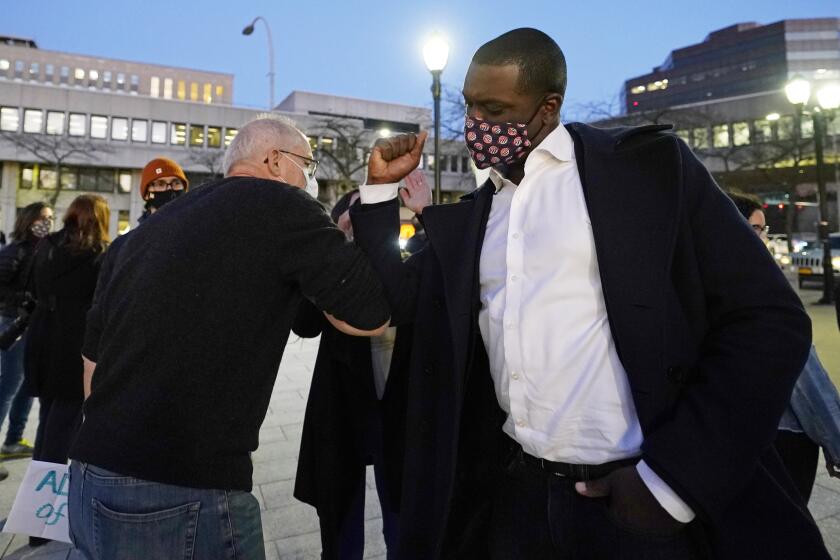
[
  {"x": 13, "y": 402},
  {"x": 114, "y": 517}
]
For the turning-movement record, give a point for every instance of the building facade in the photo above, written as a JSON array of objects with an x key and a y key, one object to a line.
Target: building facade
[{"x": 94, "y": 131}]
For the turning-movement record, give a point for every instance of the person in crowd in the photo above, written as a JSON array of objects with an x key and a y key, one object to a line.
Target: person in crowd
[
  {"x": 161, "y": 181},
  {"x": 32, "y": 224},
  {"x": 591, "y": 376},
  {"x": 342, "y": 427},
  {"x": 812, "y": 419},
  {"x": 183, "y": 346}
]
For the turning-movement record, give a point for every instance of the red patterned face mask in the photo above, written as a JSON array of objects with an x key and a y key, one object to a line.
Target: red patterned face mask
[{"x": 491, "y": 143}]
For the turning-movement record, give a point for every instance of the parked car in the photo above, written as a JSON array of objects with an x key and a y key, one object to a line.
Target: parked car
[{"x": 808, "y": 262}]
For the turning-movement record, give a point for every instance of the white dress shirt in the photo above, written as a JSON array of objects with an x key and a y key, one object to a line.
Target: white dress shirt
[{"x": 544, "y": 322}]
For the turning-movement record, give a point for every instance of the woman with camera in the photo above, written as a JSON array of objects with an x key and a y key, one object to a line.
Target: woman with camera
[
  {"x": 32, "y": 224},
  {"x": 65, "y": 270}
]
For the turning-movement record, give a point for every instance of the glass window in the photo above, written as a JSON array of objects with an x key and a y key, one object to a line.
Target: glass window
[
  {"x": 33, "y": 120},
  {"x": 55, "y": 122},
  {"x": 93, "y": 75},
  {"x": 119, "y": 128},
  {"x": 784, "y": 127},
  {"x": 135, "y": 83},
  {"x": 4, "y": 64},
  {"x": 720, "y": 136},
  {"x": 178, "y": 134},
  {"x": 196, "y": 135},
  {"x": 79, "y": 74},
  {"x": 182, "y": 89},
  {"x": 158, "y": 132},
  {"x": 193, "y": 91},
  {"x": 19, "y": 64},
  {"x": 139, "y": 130},
  {"x": 87, "y": 179},
  {"x": 327, "y": 143},
  {"x": 807, "y": 127},
  {"x": 465, "y": 165},
  {"x": 123, "y": 222},
  {"x": 740, "y": 133},
  {"x": 105, "y": 180},
  {"x": 9, "y": 119},
  {"x": 220, "y": 91},
  {"x": 762, "y": 131},
  {"x": 27, "y": 176},
  {"x": 230, "y": 134},
  {"x": 106, "y": 79},
  {"x": 98, "y": 126},
  {"x": 49, "y": 70},
  {"x": 208, "y": 93},
  {"x": 34, "y": 71},
  {"x": 453, "y": 163},
  {"x": 69, "y": 178},
  {"x": 214, "y": 137},
  {"x": 430, "y": 162},
  {"x": 444, "y": 160},
  {"x": 154, "y": 87},
  {"x": 167, "y": 88},
  {"x": 64, "y": 75},
  {"x": 47, "y": 178},
  {"x": 77, "y": 124},
  {"x": 120, "y": 81},
  {"x": 700, "y": 137},
  {"x": 124, "y": 181},
  {"x": 684, "y": 135}
]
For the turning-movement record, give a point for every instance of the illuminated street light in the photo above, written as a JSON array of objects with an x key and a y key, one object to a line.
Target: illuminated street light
[
  {"x": 798, "y": 91},
  {"x": 435, "y": 55}
]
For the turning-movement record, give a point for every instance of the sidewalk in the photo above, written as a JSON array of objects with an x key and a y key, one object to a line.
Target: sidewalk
[{"x": 291, "y": 528}]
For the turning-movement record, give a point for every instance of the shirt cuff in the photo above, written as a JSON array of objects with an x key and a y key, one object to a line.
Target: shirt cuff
[
  {"x": 666, "y": 497},
  {"x": 372, "y": 194}
]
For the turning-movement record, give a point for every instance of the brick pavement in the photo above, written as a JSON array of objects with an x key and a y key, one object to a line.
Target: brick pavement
[{"x": 291, "y": 528}]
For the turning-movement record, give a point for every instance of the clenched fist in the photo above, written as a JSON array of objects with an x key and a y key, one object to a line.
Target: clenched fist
[{"x": 394, "y": 158}]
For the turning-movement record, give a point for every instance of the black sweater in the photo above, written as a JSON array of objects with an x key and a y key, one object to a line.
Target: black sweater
[{"x": 189, "y": 324}]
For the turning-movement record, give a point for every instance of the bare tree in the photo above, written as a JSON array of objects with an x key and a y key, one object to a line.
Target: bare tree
[
  {"x": 56, "y": 151},
  {"x": 208, "y": 159},
  {"x": 344, "y": 159}
]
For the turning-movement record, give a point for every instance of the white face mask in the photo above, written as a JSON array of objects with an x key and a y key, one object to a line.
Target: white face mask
[{"x": 311, "y": 187}]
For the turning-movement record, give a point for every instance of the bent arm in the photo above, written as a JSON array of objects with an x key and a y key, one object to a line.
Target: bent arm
[{"x": 88, "y": 369}]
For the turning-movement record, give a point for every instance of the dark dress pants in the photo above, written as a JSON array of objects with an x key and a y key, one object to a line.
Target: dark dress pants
[{"x": 801, "y": 457}]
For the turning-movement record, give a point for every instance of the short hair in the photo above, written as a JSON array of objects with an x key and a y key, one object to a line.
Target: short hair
[
  {"x": 746, "y": 203},
  {"x": 342, "y": 205},
  {"x": 28, "y": 216},
  {"x": 252, "y": 137},
  {"x": 542, "y": 65}
]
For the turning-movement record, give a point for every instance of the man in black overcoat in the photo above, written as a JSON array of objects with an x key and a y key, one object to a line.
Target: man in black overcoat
[{"x": 642, "y": 426}]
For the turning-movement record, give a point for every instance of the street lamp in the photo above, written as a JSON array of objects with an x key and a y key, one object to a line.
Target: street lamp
[
  {"x": 247, "y": 31},
  {"x": 798, "y": 92},
  {"x": 435, "y": 54}
]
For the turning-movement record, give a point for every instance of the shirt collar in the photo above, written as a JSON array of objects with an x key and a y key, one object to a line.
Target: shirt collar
[{"x": 558, "y": 144}]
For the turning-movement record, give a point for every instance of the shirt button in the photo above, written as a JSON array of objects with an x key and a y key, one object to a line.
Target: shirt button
[
  {"x": 516, "y": 235},
  {"x": 515, "y": 375},
  {"x": 520, "y": 423}
]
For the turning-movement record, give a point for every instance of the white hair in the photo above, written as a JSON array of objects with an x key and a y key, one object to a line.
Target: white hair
[{"x": 265, "y": 132}]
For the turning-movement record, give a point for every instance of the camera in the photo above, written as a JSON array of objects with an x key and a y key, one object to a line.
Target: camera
[{"x": 13, "y": 332}]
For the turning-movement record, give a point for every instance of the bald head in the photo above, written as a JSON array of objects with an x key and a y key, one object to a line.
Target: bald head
[{"x": 256, "y": 140}]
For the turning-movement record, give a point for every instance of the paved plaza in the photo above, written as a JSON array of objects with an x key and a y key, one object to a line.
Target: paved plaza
[{"x": 291, "y": 528}]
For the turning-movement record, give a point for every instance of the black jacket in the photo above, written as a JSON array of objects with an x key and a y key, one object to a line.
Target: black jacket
[
  {"x": 708, "y": 329},
  {"x": 64, "y": 282},
  {"x": 15, "y": 264}
]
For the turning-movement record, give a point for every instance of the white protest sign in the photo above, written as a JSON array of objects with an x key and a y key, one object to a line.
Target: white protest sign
[{"x": 40, "y": 507}]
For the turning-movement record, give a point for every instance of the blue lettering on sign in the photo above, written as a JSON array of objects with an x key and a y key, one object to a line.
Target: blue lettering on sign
[
  {"x": 58, "y": 488},
  {"x": 51, "y": 514}
]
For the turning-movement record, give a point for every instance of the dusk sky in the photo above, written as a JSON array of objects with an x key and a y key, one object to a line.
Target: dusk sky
[{"x": 372, "y": 49}]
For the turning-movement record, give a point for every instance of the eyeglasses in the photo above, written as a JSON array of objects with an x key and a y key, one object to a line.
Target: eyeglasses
[
  {"x": 761, "y": 229},
  {"x": 310, "y": 165},
  {"x": 174, "y": 184}
]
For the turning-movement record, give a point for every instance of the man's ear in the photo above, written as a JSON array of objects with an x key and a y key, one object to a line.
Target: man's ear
[{"x": 552, "y": 103}]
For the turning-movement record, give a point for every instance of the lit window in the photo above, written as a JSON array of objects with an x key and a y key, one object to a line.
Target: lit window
[
  {"x": 93, "y": 75},
  {"x": 124, "y": 181},
  {"x": 807, "y": 127},
  {"x": 34, "y": 71},
  {"x": 657, "y": 85},
  {"x": 182, "y": 90},
  {"x": 193, "y": 91},
  {"x": 637, "y": 90},
  {"x": 9, "y": 119},
  {"x": 27, "y": 176},
  {"x": 158, "y": 132},
  {"x": 119, "y": 128},
  {"x": 720, "y": 136},
  {"x": 740, "y": 133},
  {"x": 762, "y": 131},
  {"x": 208, "y": 93},
  {"x": 784, "y": 127},
  {"x": 98, "y": 127},
  {"x": 121, "y": 81},
  {"x": 79, "y": 74},
  {"x": 214, "y": 137},
  {"x": 196, "y": 135},
  {"x": 47, "y": 178},
  {"x": 220, "y": 91},
  {"x": 33, "y": 120},
  {"x": 178, "y": 134},
  {"x": 4, "y": 64},
  {"x": 230, "y": 134},
  {"x": 327, "y": 143},
  {"x": 123, "y": 222},
  {"x": 167, "y": 88},
  {"x": 139, "y": 130},
  {"x": 55, "y": 122},
  {"x": 684, "y": 135},
  {"x": 69, "y": 178},
  {"x": 87, "y": 179},
  {"x": 106, "y": 79},
  {"x": 154, "y": 87},
  {"x": 77, "y": 125},
  {"x": 700, "y": 136}
]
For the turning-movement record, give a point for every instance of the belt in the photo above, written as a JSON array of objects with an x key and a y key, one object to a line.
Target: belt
[{"x": 575, "y": 472}]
